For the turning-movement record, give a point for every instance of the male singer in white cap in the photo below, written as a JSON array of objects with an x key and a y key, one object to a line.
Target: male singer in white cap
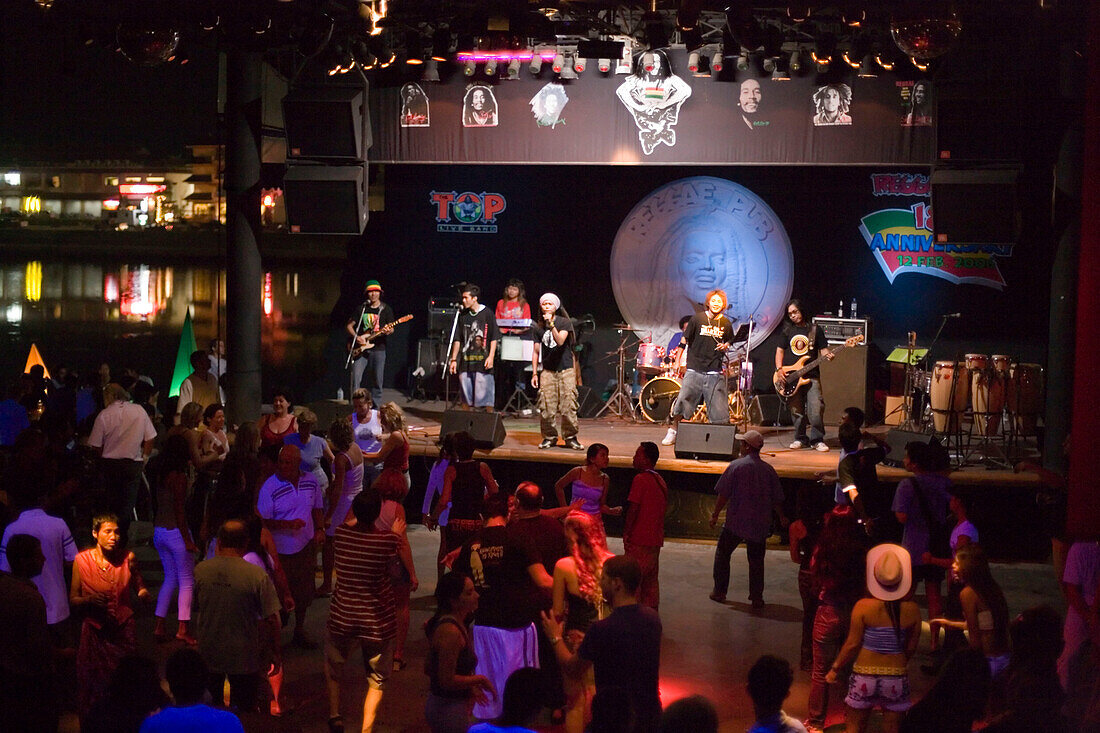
[
  {"x": 557, "y": 382},
  {"x": 749, "y": 490}
]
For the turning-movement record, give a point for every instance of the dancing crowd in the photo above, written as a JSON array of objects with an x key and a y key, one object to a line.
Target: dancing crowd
[{"x": 536, "y": 619}]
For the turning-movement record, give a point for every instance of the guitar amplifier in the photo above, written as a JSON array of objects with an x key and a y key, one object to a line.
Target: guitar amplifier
[
  {"x": 839, "y": 330},
  {"x": 441, "y": 315}
]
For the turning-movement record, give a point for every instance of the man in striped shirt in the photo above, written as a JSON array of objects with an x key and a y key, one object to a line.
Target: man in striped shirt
[{"x": 363, "y": 609}]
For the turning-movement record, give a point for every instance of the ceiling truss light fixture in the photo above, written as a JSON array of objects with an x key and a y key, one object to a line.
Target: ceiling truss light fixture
[
  {"x": 867, "y": 69},
  {"x": 743, "y": 61},
  {"x": 604, "y": 66},
  {"x": 491, "y": 67},
  {"x": 716, "y": 62},
  {"x": 469, "y": 68}
]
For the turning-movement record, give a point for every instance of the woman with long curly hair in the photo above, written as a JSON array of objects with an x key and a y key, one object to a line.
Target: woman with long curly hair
[
  {"x": 579, "y": 600},
  {"x": 394, "y": 453},
  {"x": 985, "y": 609}
]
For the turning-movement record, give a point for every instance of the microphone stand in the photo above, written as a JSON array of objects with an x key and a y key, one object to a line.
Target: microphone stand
[
  {"x": 447, "y": 366},
  {"x": 351, "y": 348}
]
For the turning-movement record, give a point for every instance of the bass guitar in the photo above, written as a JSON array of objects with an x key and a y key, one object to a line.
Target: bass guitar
[
  {"x": 787, "y": 380},
  {"x": 355, "y": 349}
]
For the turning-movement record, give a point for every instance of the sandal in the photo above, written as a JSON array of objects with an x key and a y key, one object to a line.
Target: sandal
[{"x": 336, "y": 724}]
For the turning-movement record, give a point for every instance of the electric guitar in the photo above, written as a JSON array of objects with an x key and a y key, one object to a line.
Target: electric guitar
[
  {"x": 356, "y": 349},
  {"x": 789, "y": 379}
]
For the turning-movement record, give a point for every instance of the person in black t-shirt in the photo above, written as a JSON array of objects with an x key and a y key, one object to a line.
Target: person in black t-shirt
[
  {"x": 707, "y": 335},
  {"x": 807, "y": 407},
  {"x": 375, "y": 317},
  {"x": 557, "y": 382},
  {"x": 474, "y": 349}
]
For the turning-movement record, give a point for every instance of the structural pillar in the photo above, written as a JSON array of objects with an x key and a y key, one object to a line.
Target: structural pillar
[{"x": 244, "y": 278}]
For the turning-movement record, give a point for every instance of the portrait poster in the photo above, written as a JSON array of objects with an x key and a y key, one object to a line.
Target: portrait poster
[
  {"x": 414, "y": 106},
  {"x": 832, "y": 105},
  {"x": 479, "y": 107},
  {"x": 548, "y": 104}
]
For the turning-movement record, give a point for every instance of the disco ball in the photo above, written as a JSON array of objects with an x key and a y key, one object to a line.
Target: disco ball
[
  {"x": 925, "y": 38},
  {"x": 147, "y": 45}
]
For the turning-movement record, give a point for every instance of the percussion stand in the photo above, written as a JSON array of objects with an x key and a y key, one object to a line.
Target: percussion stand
[
  {"x": 518, "y": 402},
  {"x": 620, "y": 402},
  {"x": 993, "y": 456}
]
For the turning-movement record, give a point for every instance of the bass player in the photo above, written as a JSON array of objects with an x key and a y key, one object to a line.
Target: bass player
[{"x": 802, "y": 338}]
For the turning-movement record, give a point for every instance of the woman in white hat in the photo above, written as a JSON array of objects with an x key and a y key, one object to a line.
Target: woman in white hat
[{"x": 884, "y": 632}]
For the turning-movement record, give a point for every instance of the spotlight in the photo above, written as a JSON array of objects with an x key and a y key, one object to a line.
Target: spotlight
[
  {"x": 693, "y": 61},
  {"x": 798, "y": 13},
  {"x": 568, "y": 70},
  {"x": 579, "y": 64},
  {"x": 491, "y": 67},
  {"x": 854, "y": 18},
  {"x": 559, "y": 63},
  {"x": 851, "y": 59},
  {"x": 824, "y": 48},
  {"x": 918, "y": 64},
  {"x": 470, "y": 67},
  {"x": 431, "y": 70},
  {"x": 703, "y": 69},
  {"x": 536, "y": 63},
  {"x": 414, "y": 60},
  {"x": 513, "y": 69},
  {"x": 779, "y": 70},
  {"x": 604, "y": 65},
  {"x": 716, "y": 61},
  {"x": 769, "y": 64},
  {"x": 867, "y": 67},
  {"x": 796, "y": 61},
  {"x": 743, "y": 61},
  {"x": 885, "y": 61},
  {"x": 146, "y": 44}
]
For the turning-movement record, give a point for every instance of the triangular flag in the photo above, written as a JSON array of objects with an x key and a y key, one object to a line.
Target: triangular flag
[
  {"x": 35, "y": 358},
  {"x": 183, "y": 355}
]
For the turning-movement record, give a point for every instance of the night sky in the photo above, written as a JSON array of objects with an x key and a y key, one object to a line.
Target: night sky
[{"x": 63, "y": 100}]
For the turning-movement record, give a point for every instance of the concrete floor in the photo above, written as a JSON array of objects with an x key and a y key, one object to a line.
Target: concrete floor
[{"x": 707, "y": 647}]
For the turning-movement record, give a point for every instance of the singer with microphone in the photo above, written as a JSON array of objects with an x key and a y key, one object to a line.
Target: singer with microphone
[{"x": 557, "y": 381}]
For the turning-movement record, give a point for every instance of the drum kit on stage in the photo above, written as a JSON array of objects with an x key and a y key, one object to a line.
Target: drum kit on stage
[
  {"x": 661, "y": 379},
  {"x": 1003, "y": 396}
]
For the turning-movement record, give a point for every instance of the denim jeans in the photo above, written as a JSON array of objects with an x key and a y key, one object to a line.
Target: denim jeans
[
  {"x": 373, "y": 362},
  {"x": 830, "y": 628},
  {"x": 727, "y": 543},
  {"x": 710, "y": 387},
  {"x": 808, "y": 410}
]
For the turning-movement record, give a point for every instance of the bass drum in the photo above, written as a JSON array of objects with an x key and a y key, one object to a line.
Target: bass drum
[{"x": 657, "y": 397}]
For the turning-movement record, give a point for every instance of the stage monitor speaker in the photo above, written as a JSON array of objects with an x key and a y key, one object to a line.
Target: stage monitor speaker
[
  {"x": 898, "y": 439},
  {"x": 844, "y": 383},
  {"x": 588, "y": 402},
  {"x": 323, "y": 199},
  {"x": 486, "y": 427},
  {"x": 769, "y": 409},
  {"x": 975, "y": 206},
  {"x": 703, "y": 440},
  {"x": 328, "y": 122}
]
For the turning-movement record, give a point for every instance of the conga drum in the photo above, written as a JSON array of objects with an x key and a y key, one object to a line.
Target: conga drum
[
  {"x": 986, "y": 395},
  {"x": 950, "y": 388},
  {"x": 1001, "y": 364},
  {"x": 1025, "y": 396}
]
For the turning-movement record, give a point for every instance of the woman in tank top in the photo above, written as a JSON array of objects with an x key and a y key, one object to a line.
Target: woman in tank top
[
  {"x": 453, "y": 686},
  {"x": 279, "y": 423},
  {"x": 985, "y": 609},
  {"x": 589, "y": 484},
  {"x": 578, "y": 599},
  {"x": 172, "y": 537},
  {"x": 466, "y": 482},
  {"x": 394, "y": 451},
  {"x": 882, "y": 637},
  {"x": 347, "y": 481}
]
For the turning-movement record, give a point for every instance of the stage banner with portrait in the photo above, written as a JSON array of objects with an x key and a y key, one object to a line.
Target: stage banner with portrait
[{"x": 662, "y": 116}]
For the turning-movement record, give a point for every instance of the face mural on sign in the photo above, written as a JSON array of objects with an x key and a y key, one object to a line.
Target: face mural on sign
[
  {"x": 548, "y": 104},
  {"x": 749, "y": 102},
  {"x": 653, "y": 95},
  {"x": 414, "y": 106},
  {"x": 919, "y": 106},
  {"x": 831, "y": 105},
  {"x": 479, "y": 107},
  {"x": 696, "y": 235}
]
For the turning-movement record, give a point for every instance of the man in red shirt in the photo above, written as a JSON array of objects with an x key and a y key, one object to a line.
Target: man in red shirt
[{"x": 644, "y": 530}]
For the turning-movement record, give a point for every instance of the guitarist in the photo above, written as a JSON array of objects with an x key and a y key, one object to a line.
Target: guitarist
[
  {"x": 802, "y": 338},
  {"x": 374, "y": 317}
]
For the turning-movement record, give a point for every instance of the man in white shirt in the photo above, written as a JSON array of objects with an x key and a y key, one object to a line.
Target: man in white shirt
[
  {"x": 291, "y": 505},
  {"x": 201, "y": 385},
  {"x": 122, "y": 436},
  {"x": 216, "y": 356}
]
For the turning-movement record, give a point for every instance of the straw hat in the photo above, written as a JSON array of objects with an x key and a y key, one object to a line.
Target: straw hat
[{"x": 889, "y": 572}]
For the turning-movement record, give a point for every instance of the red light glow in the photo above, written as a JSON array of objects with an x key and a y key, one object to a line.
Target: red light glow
[
  {"x": 140, "y": 189},
  {"x": 111, "y": 204},
  {"x": 269, "y": 304}
]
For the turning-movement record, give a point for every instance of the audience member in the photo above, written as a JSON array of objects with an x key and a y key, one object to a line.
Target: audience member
[
  {"x": 389, "y": 486},
  {"x": 276, "y": 425},
  {"x": 313, "y": 448},
  {"x": 186, "y": 673},
  {"x": 394, "y": 451},
  {"x": 644, "y": 528},
  {"x": 122, "y": 435},
  {"x": 132, "y": 696},
  {"x": 956, "y": 700},
  {"x": 292, "y": 507},
  {"x": 695, "y": 713},
  {"x": 103, "y": 578},
  {"x": 236, "y": 612},
  {"x": 13, "y": 416},
  {"x": 521, "y": 706},
  {"x": 466, "y": 483},
  {"x": 201, "y": 385},
  {"x": 172, "y": 537},
  {"x": 347, "y": 482},
  {"x": 963, "y": 534},
  {"x": 1029, "y": 696},
  {"x": 624, "y": 649},
  {"x": 434, "y": 489},
  {"x": 1079, "y": 583},
  {"x": 749, "y": 490},
  {"x": 453, "y": 684},
  {"x": 984, "y": 608},
  {"x": 589, "y": 483},
  {"x": 769, "y": 685}
]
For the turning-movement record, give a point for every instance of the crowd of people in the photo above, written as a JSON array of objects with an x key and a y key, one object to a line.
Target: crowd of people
[{"x": 534, "y": 612}]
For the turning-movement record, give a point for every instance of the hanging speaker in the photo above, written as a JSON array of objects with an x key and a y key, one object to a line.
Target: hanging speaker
[
  {"x": 323, "y": 199},
  {"x": 975, "y": 206},
  {"x": 327, "y": 122}
]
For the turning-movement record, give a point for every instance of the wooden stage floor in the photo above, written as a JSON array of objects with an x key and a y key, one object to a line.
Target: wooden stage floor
[{"x": 622, "y": 438}]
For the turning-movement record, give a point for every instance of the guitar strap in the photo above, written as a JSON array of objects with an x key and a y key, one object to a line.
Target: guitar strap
[{"x": 812, "y": 335}]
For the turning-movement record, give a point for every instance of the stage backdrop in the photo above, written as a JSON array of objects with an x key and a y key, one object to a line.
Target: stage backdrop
[
  {"x": 656, "y": 118},
  {"x": 611, "y": 241}
]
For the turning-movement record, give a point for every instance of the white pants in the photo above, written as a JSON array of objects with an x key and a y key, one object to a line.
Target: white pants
[
  {"x": 500, "y": 652},
  {"x": 179, "y": 572}
]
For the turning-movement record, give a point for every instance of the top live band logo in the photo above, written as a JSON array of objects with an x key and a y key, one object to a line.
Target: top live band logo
[
  {"x": 902, "y": 239},
  {"x": 476, "y": 213}
]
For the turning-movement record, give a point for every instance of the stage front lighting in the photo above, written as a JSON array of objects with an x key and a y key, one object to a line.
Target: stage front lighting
[
  {"x": 559, "y": 63},
  {"x": 867, "y": 68},
  {"x": 431, "y": 70},
  {"x": 469, "y": 68},
  {"x": 796, "y": 61},
  {"x": 579, "y": 64},
  {"x": 513, "y": 69},
  {"x": 604, "y": 65},
  {"x": 743, "y": 61},
  {"x": 536, "y": 64},
  {"x": 693, "y": 61},
  {"x": 491, "y": 67},
  {"x": 716, "y": 61},
  {"x": 769, "y": 64}
]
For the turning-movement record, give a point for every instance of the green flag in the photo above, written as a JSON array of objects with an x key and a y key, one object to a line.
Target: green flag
[{"x": 183, "y": 355}]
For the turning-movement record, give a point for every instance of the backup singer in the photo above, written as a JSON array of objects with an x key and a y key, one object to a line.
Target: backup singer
[
  {"x": 807, "y": 406},
  {"x": 557, "y": 384},
  {"x": 707, "y": 335},
  {"x": 375, "y": 316}
]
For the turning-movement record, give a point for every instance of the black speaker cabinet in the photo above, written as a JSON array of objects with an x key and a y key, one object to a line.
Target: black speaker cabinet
[
  {"x": 588, "y": 401},
  {"x": 975, "y": 206},
  {"x": 898, "y": 439},
  {"x": 323, "y": 199},
  {"x": 769, "y": 409},
  {"x": 844, "y": 383},
  {"x": 487, "y": 428},
  {"x": 703, "y": 440},
  {"x": 329, "y": 122}
]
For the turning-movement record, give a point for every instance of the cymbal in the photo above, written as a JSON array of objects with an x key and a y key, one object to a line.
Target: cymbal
[{"x": 626, "y": 327}]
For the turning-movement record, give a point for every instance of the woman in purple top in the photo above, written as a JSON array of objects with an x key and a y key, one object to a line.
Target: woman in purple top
[{"x": 589, "y": 483}]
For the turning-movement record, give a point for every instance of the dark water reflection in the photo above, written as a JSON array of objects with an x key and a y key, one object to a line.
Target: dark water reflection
[{"x": 129, "y": 314}]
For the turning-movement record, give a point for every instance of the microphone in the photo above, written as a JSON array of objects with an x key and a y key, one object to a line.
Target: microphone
[
  {"x": 457, "y": 285},
  {"x": 953, "y": 315}
]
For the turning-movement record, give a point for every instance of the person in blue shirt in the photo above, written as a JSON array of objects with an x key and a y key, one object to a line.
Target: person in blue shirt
[{"x": 186, "y": 674}]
